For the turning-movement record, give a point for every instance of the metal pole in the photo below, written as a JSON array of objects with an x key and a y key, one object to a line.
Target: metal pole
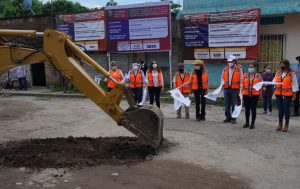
[
  {"x": 52, "y": 24},
  {"x": 170, "y": 65},
  {"x": 108, "y": 57}
]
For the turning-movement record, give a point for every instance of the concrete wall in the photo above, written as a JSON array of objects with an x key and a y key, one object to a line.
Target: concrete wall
[{"x": 291, "y": 28}]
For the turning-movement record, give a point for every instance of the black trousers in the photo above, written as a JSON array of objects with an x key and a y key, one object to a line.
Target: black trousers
[
  {"x": 199, "y": 98},
  {"x": 154, "y": 92},
  {"x": 250, "y": 103},
  {"x": 138, "y": 94},
  {"x": 296, "y": 103}
]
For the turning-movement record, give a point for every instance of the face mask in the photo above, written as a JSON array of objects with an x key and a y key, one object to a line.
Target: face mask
[
  {"x": 230, "y": 64},
  {"x": 197, "y": 67},
  {"x": 181, "y": 70},
  {"x": 250, "y": 70},
  {"x": 283, "y": 67},
  {"x": 135, "y": 67},
  {"x": 154, "y": 65},
  {"x": 268, "y": 70}
]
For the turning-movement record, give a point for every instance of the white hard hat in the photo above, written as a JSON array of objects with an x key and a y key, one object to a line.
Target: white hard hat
[
  {"x": 231, "y": 58},
  {"x": 135, "y": 64}
]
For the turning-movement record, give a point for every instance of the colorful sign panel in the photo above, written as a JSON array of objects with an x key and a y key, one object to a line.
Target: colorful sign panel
[
  {"x": 139, "y": 27},
  {"x": 222, "y": 34},
  {"x": 86, "y": 28}
]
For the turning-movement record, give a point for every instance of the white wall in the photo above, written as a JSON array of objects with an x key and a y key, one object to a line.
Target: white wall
[{"x": 291, "y": 28}]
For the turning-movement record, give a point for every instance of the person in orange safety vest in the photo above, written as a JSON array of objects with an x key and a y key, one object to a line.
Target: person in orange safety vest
[
  {"x": 232, "y": 76},
  {"x": 182, "y": 80},
  {"x": 137, "y": 82},
  {"x": 199, "y": 83},
  {"x": 116, "y": 74},
  {"x": 250, "y": 95},
  {"x": 155, "y": 82},
  {"x": 285, "y": 92}
]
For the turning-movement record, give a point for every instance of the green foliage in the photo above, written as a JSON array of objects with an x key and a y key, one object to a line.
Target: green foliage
[
  {"x": 14, "y": 8},
  {"x": 111, "y": 3}
]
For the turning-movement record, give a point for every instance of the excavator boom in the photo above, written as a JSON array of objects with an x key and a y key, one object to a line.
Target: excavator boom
[{"x": 58, "y": 49}]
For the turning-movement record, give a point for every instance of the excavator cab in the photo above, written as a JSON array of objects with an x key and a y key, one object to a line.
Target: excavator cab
[{"x": 145, "y": 122}]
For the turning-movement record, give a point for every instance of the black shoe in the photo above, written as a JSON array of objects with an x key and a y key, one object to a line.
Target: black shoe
[
  {"x": 252, "y": 126},
  {"x": 233, "y": 121},
  {"x": 246, "y": 125},
  {"x": 203, "y": 119},
  {"x": 227, "y": 121},
  {"x": 198, "y": 119}
]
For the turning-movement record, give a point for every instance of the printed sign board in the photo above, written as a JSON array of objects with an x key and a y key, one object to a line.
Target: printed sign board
[
  {"x": 138, "y": 27},
  {"x": 88, "y": 28},
  {"x": 219, "y": 31}
]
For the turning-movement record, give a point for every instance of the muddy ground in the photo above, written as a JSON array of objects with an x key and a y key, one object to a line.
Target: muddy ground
[{"x": 70, "y": 143}]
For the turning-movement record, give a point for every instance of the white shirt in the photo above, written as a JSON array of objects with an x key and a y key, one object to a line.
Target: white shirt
[
  {"x": 295, "y": 86},
  {"x": 155, "y": 78},
  {"x": 21, "y": 71}
]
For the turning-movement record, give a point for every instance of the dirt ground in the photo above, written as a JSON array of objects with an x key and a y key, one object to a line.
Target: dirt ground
[{"x": 70, "y": 143}]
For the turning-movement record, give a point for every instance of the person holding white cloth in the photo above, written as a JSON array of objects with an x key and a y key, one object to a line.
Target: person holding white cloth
[{"x": 155, "y": 82}]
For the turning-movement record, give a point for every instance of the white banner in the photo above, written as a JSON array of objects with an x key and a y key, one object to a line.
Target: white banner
[
  {"x": 148, "y": 28},
  {"x": 89, "y": 30},
  {"x": 259, "y": 85},
  {"x": 179, "y": 99},
  {"x": 233, "y": 34},
  {"x": 237, "y": 109},
  {"x": 214, "y": 95}
]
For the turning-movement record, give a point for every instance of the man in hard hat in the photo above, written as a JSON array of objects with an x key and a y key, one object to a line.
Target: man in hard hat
[
  {"x": 199, "y": 82},
  {"x": 232, "y": 76}
]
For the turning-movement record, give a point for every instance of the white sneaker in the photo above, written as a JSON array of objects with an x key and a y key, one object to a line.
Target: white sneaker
[{"x": 269, "y": 113}]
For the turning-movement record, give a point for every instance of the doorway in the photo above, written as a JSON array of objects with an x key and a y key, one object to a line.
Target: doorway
[{"x": 38, "y": 74}]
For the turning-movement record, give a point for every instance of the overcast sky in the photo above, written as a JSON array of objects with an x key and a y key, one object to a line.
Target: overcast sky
[{"x": 96, "y": 3}]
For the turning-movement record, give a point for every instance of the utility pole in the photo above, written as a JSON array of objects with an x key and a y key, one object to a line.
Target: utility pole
[{"x": 52, "y": 24}]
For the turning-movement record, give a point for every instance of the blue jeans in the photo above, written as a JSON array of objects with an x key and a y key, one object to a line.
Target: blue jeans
[
  {"x": 283, "y": 105},
  {"x": 22, "y": 83},
  {"x": 267, "y": 103},
  {"x": 230, "y": 97}
]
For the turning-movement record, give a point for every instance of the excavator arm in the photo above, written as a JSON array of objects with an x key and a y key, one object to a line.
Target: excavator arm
[{"x": 58, "y": 49}]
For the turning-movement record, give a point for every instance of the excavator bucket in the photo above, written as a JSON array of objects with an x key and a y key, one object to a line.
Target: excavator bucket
[{"x": 147, "y": 123}]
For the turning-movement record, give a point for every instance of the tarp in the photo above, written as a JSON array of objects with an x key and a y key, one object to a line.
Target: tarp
[{"x": 268, "y": 7}]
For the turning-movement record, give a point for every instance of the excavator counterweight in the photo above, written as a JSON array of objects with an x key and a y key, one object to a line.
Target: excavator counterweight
[{"x": 58, "y": 49}]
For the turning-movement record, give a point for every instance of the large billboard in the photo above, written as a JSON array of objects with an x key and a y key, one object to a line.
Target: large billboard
[
  {"x": 139, "y": 27},
  {"x": 87, "y": 28},
  {"x": 217, "y": 35}
]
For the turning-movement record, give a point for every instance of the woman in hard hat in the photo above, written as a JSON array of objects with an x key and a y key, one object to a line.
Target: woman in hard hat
[{"x": 199, "y": 82}]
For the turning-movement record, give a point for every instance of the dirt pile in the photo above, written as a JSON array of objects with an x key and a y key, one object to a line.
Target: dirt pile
[{"x": 74, "y": 152}]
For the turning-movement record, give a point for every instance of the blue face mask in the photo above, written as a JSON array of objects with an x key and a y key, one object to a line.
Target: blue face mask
[{"x": 251, "y": 70}]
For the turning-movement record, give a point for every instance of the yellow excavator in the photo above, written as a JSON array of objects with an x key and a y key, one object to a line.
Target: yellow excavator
[{"x": 145, "y": 122}]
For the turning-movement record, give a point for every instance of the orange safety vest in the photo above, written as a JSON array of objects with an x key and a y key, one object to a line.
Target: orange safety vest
[
  {"x": 287, "y": 82},
  {"x": 136, "y": 81},
  {"x": 236, "y": 77},
  {"x": 204, "y": 80},
  {"x": 116, "y": 75},
  {"x": 179, "y": 81},
  {"x": 150, "y": 79},
  {"x": 247, "y": 86}
]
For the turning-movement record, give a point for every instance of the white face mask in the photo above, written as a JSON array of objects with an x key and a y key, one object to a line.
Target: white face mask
[
  {"x": 230, "y": 64},
  {"x": 197, "y": 67},
  {"x": 268, "y": 70},
  {"x": 135, "y": 67},
  {"x": 154, "y": 65}
]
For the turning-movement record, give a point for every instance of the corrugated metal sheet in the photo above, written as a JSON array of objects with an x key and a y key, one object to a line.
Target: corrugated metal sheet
[{"x": 268, "y": 7}]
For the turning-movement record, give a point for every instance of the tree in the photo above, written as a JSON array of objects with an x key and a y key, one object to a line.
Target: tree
[
  {"x": 175, "y": 7},
  {"x": 111, "y": 3},
  {"x": 14, "y": 8}
]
